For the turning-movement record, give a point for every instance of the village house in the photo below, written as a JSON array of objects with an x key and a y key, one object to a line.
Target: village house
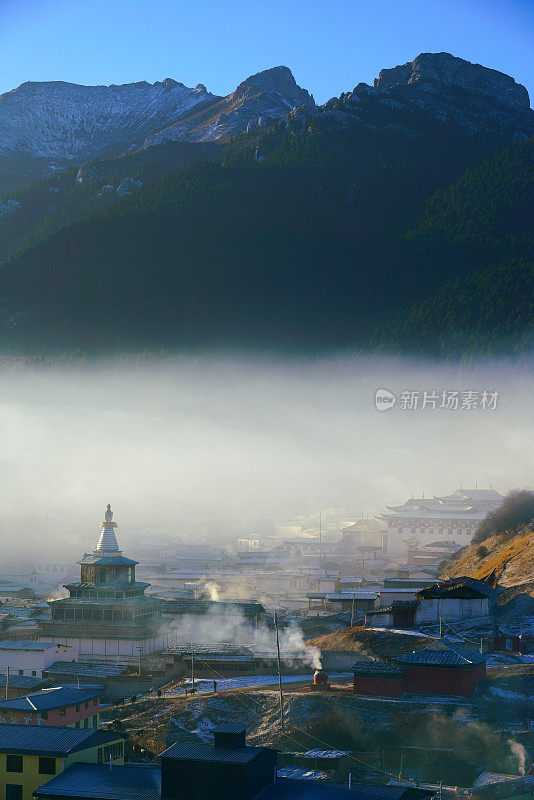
[
  {"x": 228, "y": 769},
  {"x": 342, "y": 601},
  {"x": 32, "y": 754},
  {"x": 61, "y": 705},
  {"x": 20, "y": 685},
  {"x": 225, "y": 612},
  {"x": 31, "y": 658},
  {"x": 441, "y": 668},
  {"x": 448, "y": 601},
  {"x": 461, "y": 598}
]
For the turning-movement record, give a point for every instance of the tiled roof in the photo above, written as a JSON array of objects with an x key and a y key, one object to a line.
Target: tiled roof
[
  {"x": 347, "y": 595},
  {"x": 376, "y": 669},
  {"x": 121, "y": 782},
  {"x": 50, "y": 739},
  {"x": 191, "y": 751},
  {"x": 115, "y": 561},
  {"x": 459, "y": 587},
  {"x": 190, "y": 606},
  {"x": 47, "y": 699},
  {"x": 443, "y": 653},
  {"x": 84, "y": 669}
]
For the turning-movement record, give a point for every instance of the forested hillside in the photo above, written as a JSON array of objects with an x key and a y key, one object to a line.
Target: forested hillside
[
  {"x": 479, "y": 234},
  {"x": 305, "y": 236}
]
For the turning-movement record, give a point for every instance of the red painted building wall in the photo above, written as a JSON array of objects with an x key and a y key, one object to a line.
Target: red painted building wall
[
  {"x": 443, "y": 680},
  {"x": 459, "y": 682},
  {"x": 67, "y": 715},
  {"x": 378, "y": 687}
]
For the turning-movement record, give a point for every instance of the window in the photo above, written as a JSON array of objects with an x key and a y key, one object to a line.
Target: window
[
  {"x": 86, "y": 723},
  {"x": 77, "y": 724},
  {"x": 113, "y": 751},
  {"x": 77, "y": 706},
  {"x": 44, "y": 714},
  {"x": 99, "y": 757},
  {"x": 21, "y": 672},
  {"x": 95, "y": 721},
  {"x": 94, "y": 702},
  {"x": 87, "y": 703},
  {"x": 14, "y": 763},
  {"x": 47, "y": 766},
  {"x": 13, "y": 791},
  {"x": 62, "y": 712},
  {"x": 34, "y": 673}
]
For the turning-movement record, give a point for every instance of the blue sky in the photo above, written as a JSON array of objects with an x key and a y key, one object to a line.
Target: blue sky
[{"x": 329, "y": 44}]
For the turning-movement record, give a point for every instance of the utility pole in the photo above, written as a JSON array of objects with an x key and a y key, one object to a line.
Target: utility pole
[
  {"x": 440, "y": 628},
  {"x": 139, "y": 650},
  {"x": 279, "y": 673},
  {"x": 7, "y": 683},
  {"x": 352, "y": 611},
  {"x": 192, "y": 669},
  {"x": 321, "y": 537}
]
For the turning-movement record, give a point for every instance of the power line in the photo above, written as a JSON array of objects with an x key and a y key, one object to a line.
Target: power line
[{"x": 304, "y": 732}]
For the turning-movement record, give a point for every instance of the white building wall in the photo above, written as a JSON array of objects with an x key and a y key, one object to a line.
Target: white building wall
[
  {"x": 381, "y": 620},
  {"x": 33, "y": 662},
  {"x": 96, "y": 648},
  {"x": 387, "y": 596},
  {"x": 431, "y": 610}
]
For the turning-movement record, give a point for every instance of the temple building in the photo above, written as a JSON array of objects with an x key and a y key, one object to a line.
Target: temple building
[
  {"x": 423, "y": 521},
  {"x": 107, "y": 612}
]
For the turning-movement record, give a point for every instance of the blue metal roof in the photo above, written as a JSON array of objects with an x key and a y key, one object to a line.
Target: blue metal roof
[
  {"x": 9, "y": 644},
  {"x": 134, "y": 782},
  {"x": 50, "y": 739},
  {"x": 193, "y": 751},
  {"x": 121, "y": 782},
  {"x": 47, "y": 699},
  {"x": 22, "y": 681}
]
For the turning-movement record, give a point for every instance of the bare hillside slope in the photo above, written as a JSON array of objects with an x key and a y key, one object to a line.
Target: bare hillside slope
[{"x": 510, "y": 560}]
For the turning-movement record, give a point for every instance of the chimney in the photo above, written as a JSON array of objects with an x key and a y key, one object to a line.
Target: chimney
[{"x": 230, "y": 737}]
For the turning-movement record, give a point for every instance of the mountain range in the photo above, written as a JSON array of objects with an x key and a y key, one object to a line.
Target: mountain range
[
  {"x": 47, "y": 126},
  {"x": 383, "y": 219}
]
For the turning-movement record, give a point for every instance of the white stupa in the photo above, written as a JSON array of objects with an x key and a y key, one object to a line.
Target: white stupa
[{"x": 107, "y": 544}]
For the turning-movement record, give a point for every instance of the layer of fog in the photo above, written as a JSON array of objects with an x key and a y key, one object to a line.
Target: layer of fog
[
  {"x": 233, "y": 628},
  {"x": 210, "y": 448}
]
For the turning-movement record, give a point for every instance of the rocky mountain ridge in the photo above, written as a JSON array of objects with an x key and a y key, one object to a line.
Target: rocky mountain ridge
[
  {"x": 50, "y": 125},
  {"x": 45, "y": 127},
  {"x": 257, "y": 101},
  {"x": 441, "y": 88}
]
